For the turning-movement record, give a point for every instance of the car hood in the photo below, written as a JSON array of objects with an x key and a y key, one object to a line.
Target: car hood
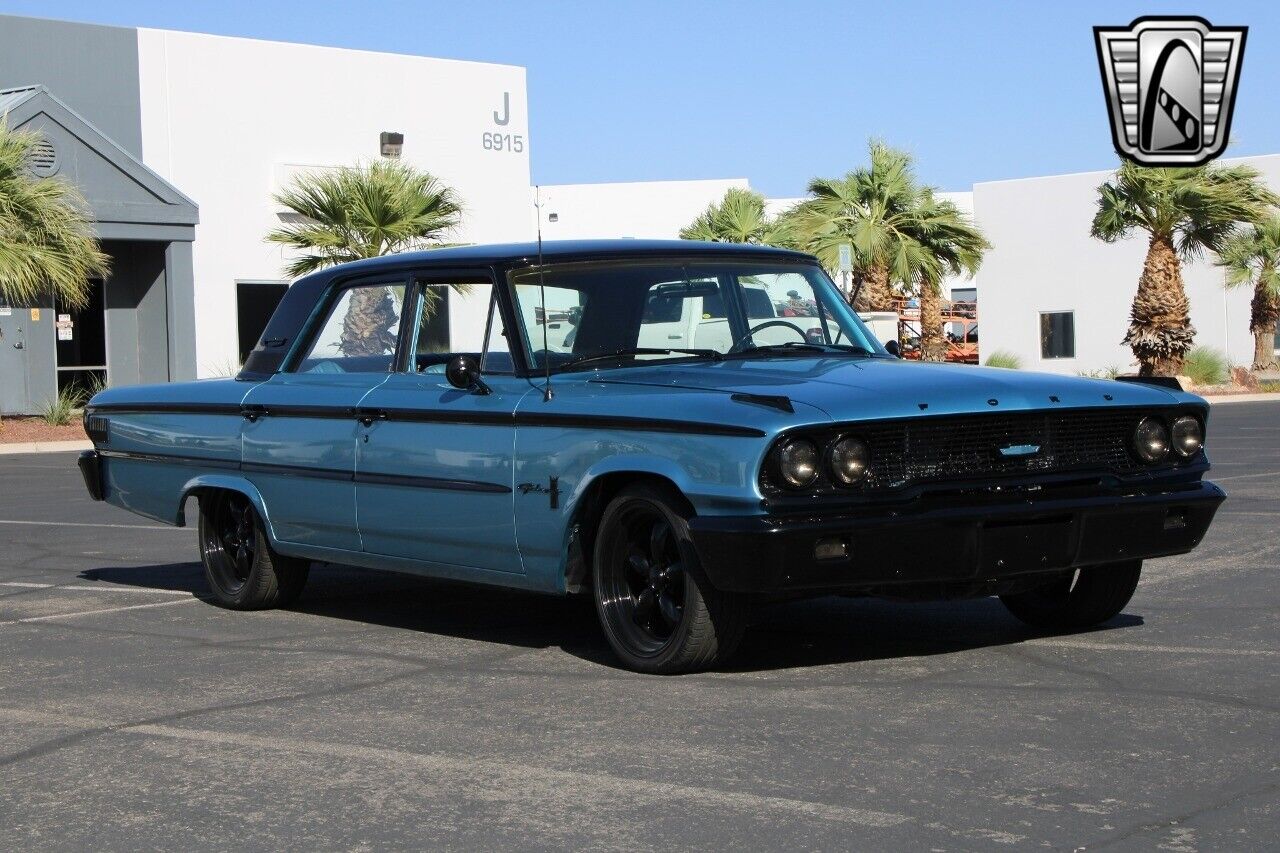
[{"x": 852, "y": 389}]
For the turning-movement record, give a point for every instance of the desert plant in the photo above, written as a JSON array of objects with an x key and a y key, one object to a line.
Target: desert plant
[
  {"x": 47, "y": 242},
  {"x": 1005, "y": 359},
  {"x": 1109, "y": 372},
  {"x": 60, "y": 409},
  {"x": 1253, "y": 258},
  {"x": 871, "y": 209},
  {"x": 1205, "y": 366},
  {"x": 1185, "y": 212},
  {"x": 739, "y": 217},
  {"x": 364, "y": 211}
]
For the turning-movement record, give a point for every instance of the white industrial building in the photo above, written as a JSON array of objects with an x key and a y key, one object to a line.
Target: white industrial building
[
  {"x": 1043, "y": 270},
  {"x": 211, "y": 127}
]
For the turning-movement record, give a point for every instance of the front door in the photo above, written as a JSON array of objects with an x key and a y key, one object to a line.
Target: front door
[
  {"x": 434, "y": 474},
  {"x": 80, "y": 336},
  {"x": 301, "y": 427}
]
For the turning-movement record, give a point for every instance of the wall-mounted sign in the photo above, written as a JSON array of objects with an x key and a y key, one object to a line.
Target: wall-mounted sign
[
  {"x": 6, "y": 311},
  {"x": 65, "y": 327},
  {"x": 35, "y": 315}
]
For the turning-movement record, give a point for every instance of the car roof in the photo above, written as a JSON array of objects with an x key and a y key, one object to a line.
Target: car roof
[{"x": 563, "y": 250}]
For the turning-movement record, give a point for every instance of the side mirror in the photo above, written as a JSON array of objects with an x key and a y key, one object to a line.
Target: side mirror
[{"x": 463, "y": 373}]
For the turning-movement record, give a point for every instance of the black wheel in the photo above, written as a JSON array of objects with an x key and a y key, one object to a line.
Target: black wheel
[
  {"x": 1079, "y": 599},
  {"x": 242, "y": 570},
  {"x": 658, "y": 611}
]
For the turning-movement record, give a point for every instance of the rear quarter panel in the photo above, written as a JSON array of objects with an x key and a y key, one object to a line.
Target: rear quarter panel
[{"x": 160, "y": 438}]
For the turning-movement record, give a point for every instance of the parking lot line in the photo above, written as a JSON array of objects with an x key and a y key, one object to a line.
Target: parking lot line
[
  {"x": 1246, "y": 476},
  {"x": 100, "y": 588},
  {"x": 1068, "y": 643},
  {"x": 78, "y": 613},
  {"x": 494, "y": 775},
  {"x": 91, "y": 524}
]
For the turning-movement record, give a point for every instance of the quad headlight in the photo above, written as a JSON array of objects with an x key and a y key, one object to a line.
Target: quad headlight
[
  {"x": 802, "y": 463},
  {"x": 849, "y": 459},
  {"x": 1188, "y": 436},
  {"x": 798, "y": 462},
  {"x": 1151, "y": 441}
]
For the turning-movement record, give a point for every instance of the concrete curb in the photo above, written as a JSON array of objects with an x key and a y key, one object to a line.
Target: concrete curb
[
  {"x": 44, "y": 447},
  {"x": 1242, "y": 398}
]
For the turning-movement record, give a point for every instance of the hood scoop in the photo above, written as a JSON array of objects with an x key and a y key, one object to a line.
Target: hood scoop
[{"x": 772, "y": 401}]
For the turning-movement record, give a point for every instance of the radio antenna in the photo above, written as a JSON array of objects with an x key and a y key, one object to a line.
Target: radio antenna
[{"x": 547, "y": 393}]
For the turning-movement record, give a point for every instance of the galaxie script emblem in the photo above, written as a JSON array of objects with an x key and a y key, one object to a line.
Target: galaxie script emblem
[{"x": 1171, "y": 85}]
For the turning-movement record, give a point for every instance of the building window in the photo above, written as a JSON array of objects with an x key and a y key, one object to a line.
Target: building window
[{"x": 1057, "y": 334}]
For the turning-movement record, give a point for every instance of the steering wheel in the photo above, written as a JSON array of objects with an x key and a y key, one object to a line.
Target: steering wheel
[{"x": 765, "y": 325}]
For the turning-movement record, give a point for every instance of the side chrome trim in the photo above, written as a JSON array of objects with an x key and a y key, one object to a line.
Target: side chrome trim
[
  {"x": 313, "y": 473},
  {"x": 518, "y": 419}
]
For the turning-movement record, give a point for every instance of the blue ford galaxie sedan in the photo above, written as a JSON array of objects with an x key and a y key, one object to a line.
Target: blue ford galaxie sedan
[{"x": 675, "y": 428}]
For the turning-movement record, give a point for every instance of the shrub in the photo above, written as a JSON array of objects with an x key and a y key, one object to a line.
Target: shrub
[
  {"x": 1206, "y": 366},
  {"x": 1005, "y": 359},
  {"x": 60, "y": 410},
  {"x": 1110, "y": 372}
]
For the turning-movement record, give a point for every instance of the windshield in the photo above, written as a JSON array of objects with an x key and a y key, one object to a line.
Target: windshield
[{"x": 616, "y": 313}]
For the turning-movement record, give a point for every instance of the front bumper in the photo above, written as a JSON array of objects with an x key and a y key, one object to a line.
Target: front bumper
[{"x": 887, "y": 549}]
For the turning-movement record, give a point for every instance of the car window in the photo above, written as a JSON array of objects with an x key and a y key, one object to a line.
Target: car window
[
  {"x": 551, "y": 325},
  {"x": 598, "y": 310},
  {"x": 497, "y": 350},
  {"x": 360, "y": 332}
]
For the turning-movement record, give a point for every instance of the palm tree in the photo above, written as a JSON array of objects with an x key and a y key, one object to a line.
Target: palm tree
[
  {"x": 871, "y": 209},
  {"x": 47, "y": 241},
  {"x": 739, "y": 217},
  {"x": 365, "y": 211},
  {"x": 1253, "y": 257},
  {"x": 951, "y": 244},
  {"x": 1185, "y": 212}
]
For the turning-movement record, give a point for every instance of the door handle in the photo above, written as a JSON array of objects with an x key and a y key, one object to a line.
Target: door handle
[
  {"x": 251, "y": 413},
  {"x": 368, "y": 416}
]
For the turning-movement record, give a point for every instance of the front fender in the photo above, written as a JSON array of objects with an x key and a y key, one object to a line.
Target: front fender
[
  {"x": 706, "y": 498},
  {"x": 231, "y": 483}
]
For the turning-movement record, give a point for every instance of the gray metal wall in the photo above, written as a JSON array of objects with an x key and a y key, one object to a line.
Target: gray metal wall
[{"x": 94, "y": 69}]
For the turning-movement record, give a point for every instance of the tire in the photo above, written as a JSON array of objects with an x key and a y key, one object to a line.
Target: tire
[
  {"x": 1078, "y": 599},
  {"x": 657, "y": 608},
  {"x": 242, "y": 570}
]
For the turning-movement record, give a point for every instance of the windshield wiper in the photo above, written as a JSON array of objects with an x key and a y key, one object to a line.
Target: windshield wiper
[
  {"x": 622, "y": 353},
  {"x": 797, "y": 346}
]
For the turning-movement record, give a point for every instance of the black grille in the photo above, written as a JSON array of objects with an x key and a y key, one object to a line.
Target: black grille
[{"x": 968, "y": 447}]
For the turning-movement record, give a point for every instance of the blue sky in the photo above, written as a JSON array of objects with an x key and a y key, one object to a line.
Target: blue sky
[{"x": 776, "y": 92}]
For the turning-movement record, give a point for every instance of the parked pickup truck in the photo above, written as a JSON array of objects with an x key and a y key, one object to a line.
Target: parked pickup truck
[{"x": 707, "y": 425}]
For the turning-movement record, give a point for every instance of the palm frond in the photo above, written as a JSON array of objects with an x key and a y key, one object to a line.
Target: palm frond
[
  {"x": 364, "y": 211},
  {"x": 47, "y": 240}
]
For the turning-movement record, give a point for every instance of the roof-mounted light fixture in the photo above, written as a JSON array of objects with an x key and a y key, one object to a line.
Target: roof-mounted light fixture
[{"x": 390, "y": 143}]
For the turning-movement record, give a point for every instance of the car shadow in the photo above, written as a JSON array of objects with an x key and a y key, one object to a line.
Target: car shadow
[{"x": 784, "y": 635}]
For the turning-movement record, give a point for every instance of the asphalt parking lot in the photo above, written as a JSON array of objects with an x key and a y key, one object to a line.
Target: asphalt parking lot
[{"x": 391, "y": 712}]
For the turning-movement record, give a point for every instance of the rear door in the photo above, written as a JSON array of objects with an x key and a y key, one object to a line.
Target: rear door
[
  {"x": 434, "y": 474},
  {"x": 301, "y": 427}
]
